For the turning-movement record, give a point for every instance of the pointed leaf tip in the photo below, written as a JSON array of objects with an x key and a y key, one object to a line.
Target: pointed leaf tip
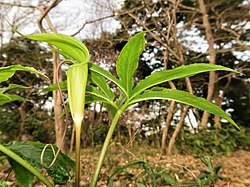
[{"x": 128, "y": 60}]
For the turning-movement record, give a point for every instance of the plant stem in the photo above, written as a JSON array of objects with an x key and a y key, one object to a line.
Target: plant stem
[
  {"x": 26, "y": 165},
  {"x": 105, "y": 146},
  {"x": 78, "y": 150}
]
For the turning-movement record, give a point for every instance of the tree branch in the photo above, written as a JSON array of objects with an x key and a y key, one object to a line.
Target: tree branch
[
  {"x": 45, "y": 12},
  {"x": 92, "y": 21}
]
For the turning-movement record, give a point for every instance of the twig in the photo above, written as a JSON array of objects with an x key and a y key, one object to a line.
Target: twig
[
  {"x": 92, "y": 21},
  {"x": 45, "y": 13},
  {"x": 17, "y": 5},
  {"x": 66, "y": 117}
]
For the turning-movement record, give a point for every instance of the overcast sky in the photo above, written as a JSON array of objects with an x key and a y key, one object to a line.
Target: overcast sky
[
  {"x": 68, "y": 17},
  {"x": 80, "y": 11}
]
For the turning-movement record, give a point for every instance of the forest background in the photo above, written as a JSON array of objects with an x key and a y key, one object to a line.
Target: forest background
[{"x": 179, "y": 33}]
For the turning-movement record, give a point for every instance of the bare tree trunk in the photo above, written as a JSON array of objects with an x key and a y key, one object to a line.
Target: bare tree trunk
[
  {"x": 183, "y": 115},
  {"x": 190, "y": 90},
  {"x": 180, "y": 52},
  {"x": 177, "y": 130},
  {"x": 187, "y": 80},
  {"x": 170, "y": 113},
  {"x": 218, "y": 101},
  {"x": 58, "y": 111},
  {"x": 212, "y": 58},
  {"x": 59, "y": 125},
  {"x": 166, "y": 128}
]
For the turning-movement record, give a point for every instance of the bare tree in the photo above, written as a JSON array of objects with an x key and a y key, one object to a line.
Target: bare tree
[
  {"x": 213, "y": 77},
  {"x": 218, "y": 33}
]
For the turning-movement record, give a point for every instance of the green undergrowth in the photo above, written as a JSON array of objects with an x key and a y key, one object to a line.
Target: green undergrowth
[
  {"x": 223, "y": 141},
  {"x": 27, "y": 151}
]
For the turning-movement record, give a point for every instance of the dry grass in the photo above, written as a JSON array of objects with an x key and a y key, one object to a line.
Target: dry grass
[{"x": 235, "y": 170}]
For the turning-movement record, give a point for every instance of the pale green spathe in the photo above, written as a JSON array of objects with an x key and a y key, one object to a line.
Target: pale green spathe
[{"x": 77, "y": 75}]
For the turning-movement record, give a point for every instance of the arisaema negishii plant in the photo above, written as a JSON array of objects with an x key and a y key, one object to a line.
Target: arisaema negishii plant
[
  {"x": 75, "y": 52},
  {"x": 82, "y": 71}
]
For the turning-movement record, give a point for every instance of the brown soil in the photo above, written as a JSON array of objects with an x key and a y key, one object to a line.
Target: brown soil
[{"x": 235, "y": 170}]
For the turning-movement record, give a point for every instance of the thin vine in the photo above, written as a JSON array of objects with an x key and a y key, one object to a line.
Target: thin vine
[{"x": 66, "y": 121}]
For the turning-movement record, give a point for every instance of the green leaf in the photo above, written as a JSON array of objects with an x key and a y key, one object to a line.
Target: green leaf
[
  {"x": 12, "y": 86},
  {"x": 89, "y": 98},
  {"x": 217, "y": 169},
  {"x": 100, "y": 81},
  {"x": 179, "y": 72},
  {"x": 121, "y": 100},
  {"x": 64, "y": 54},
  {"x": 186, "y": 98},
  {"x": 9, "y": 71},
  {"x": 22, "y": 175},
  {"x": 3, "y": 183},
  {"x": 122, "y": 168},
  {"x": 67, "y": 46},
  {"x": 31, "y": 152},
  {"x": 6, "y": 98},
  {"x": 53, "y": 87},
  {"x": 9, "y": 154},
  {"x": 5, "y": 75},
  {"x": 170, "y": 180},
  {"x": 112, "y": 110},
  {"x": 95, "y": 68},
  {"x": 94, "y": 77},
  {"x": 140, "y": 185},
  {"x": 99, "y": 94},
  {"x": 128, "y": 60},
  {"x": 94, "y": 95}
]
